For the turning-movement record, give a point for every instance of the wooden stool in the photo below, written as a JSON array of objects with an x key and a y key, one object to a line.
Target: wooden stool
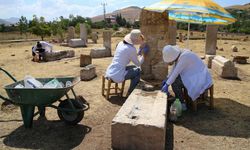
[
  {"x": 201, "y": 99},
  {"x": 118, "y": 91}
]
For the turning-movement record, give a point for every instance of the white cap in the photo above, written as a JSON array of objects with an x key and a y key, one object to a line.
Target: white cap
[
  {"x": 132, "y": 36},
  {"x": 170, "y": 53}
]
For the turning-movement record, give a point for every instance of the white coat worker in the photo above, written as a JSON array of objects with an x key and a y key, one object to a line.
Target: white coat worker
[
  {"x": 125, "y": 52},
  {"x": 41, "y": 48},
  {"x": 188, "y": 71}
]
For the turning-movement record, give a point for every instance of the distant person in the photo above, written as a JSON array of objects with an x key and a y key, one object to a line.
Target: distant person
[
  {"x": 40, "y": 49},
  {"x": 188, "y": 71},
  {"x": 125, "y": 52}
]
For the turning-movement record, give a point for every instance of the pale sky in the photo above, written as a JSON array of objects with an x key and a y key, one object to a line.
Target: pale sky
[{"x": 50, "y": 9}]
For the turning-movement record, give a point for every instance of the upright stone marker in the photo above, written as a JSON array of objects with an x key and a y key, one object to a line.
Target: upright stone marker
[
  {"x": 155, "y": 27},
  {"x": 71, "y": 33},
  {"x": 107, "y": 41},
  {"x": 211, "y": 39},
  {"x": 83, "y": 33},
  {"x": 211, "y": 43}
]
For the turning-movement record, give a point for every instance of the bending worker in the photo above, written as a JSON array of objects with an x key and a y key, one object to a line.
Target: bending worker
[
  {"x": 188, "y": 71},
  {"x": 125, "y": 52},
  {"x": 41, "y": 48}
]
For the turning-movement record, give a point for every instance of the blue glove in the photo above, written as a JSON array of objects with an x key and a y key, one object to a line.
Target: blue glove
[
  {"x": 143, "y": 50},
  {"x": 165, "y": 88}
]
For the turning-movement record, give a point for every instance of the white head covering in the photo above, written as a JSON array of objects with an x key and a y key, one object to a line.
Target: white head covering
[
  {"x": 170, "y": 53},
  {"x": 132, "y": 36}
]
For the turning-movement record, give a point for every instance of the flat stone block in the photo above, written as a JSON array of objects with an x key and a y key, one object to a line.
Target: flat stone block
[
  {"x": 57, "y": 55},
  {"x": 99, "y": 52},
  {"x": 88, "y": 73},
  {"x": 77, "y": 43},
  {"x": 85, "y": 60},
  {"x": 140, "y": 124},
  {"x": 224, "y": 67}
]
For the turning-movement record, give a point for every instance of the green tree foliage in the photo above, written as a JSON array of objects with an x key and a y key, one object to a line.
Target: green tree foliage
[
  {"x": 120, "y": 20},
  {"x": 23, "y": 25},
  {"x": 40, "y": 27}
]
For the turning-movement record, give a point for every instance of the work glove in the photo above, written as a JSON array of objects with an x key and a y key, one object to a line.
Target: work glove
[{"x": 165, "y": 88}]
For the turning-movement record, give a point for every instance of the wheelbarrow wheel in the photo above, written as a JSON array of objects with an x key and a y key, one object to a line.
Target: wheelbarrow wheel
[{"x": 70, "y": 117}]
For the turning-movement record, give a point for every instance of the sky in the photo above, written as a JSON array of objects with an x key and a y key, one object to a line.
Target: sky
[{"x": 52, "y": 9}]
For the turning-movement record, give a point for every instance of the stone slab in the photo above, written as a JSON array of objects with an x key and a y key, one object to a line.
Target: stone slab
[
  {"x": 224, "y": 67},
  {"x": 76, "y": 43},
  {"x": 141, "y": 122},
  {"x": 88, "y": 73},
  {"x": 99, "y": 52},
  {"x": 57, "y": 55}
]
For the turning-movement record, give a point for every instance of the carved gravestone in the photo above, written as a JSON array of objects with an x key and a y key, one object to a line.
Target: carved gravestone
[{"x": 158, "y": 32}]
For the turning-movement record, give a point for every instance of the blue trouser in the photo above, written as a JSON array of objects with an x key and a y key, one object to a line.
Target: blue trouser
[{"x": 134, "y": 75}]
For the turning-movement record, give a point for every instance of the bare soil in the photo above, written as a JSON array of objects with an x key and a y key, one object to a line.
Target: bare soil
[{"x": 225, "y": 127}]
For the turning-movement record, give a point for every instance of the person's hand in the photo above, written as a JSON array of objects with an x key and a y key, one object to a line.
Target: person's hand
[{"x": 165, "y": 88}]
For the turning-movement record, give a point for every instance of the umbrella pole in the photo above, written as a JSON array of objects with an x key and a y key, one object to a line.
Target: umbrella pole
[{"x": 188, "y": 35}]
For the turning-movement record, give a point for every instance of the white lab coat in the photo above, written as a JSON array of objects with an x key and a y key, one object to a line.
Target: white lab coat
[
  {"x": 123, "y": 55},
  {"x": 194, "y": 74},
  {"x": 48, "y": 47}
]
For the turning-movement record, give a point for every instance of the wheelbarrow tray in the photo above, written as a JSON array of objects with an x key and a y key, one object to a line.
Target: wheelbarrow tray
[{"x": 39, "y": 96}]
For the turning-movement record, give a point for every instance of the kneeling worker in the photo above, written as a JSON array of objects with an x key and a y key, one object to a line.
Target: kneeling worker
[
  {"x": 188, "y": 71},
  {"x": 40, "y": 49}
]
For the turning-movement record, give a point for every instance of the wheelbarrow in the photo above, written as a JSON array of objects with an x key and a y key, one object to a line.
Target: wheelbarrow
[{"x": 70, "y": 110}]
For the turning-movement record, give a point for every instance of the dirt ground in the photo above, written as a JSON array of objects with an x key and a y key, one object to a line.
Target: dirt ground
[{"x": 225, "y": 127}]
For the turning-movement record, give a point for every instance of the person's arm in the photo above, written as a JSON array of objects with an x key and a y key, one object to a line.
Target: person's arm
[
  {"x": 134, "y": 58},
  {"x": 183, "y": 62}
]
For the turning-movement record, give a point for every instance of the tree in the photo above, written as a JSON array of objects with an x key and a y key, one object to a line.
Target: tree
[
  {"x": 40, "y": 28},
  {"x": 23, "y": 25},
  {"x": 2, "y": 27}
]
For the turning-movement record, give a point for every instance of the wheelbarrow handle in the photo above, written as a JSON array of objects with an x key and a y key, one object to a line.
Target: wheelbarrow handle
[
  {"x": 6, "y": 72},
  {"x": 6, "y": 99}
]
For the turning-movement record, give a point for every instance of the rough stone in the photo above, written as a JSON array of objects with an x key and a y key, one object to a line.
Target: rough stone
[
  {"x": 83, "y": 33},
  {"x": 107, "y": 41},
  {"x": 88, "y": 73},
  {"x": 155, "y": 28},
  {"x": 211, "y": 39},
  {"x": 57, "y": 55},
  {"x": 234, "y": 48},
  {"x": 85, "y": 60},
  {"x": 99, "y": 52},
  {"x": 71, "y": 33},
  {"x": 208, "y": 60},
  {"x": 224, "y": 67},
  {"x": 141, "y": 122},
  {"x": 94, "y": 37},
  {"x": 240, "y": 59},
  {"x": 77, "y": 43},
  {"x": 180, "y": 37}
]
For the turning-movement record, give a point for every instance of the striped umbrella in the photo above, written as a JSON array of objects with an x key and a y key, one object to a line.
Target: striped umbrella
[{"x": 193, "y": 11}]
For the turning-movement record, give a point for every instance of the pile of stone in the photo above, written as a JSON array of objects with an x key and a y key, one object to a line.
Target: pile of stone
[{"x": 103, "y": 51}]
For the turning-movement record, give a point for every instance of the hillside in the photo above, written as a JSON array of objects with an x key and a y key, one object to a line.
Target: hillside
[
  {"x": 240, "y": 7},
  {"x": 130, "y": 14},
  {"x": 9, "y": 21}
]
